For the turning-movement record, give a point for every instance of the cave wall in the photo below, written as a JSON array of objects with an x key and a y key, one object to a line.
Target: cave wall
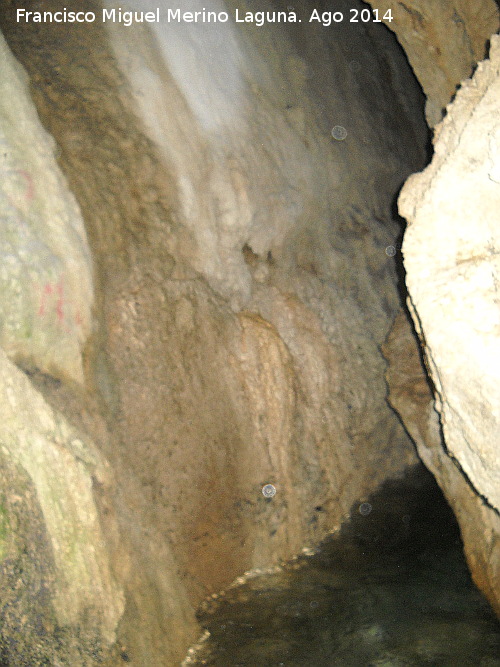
[
  {"x": 451, "y": 256},
  {"x": 443, "y": 41},
  {"x": 230, "y": 290},
  {"x": 56, "y": 579},
  {"x": 239, "y": 291},
  {"x": 459, "y": 238},
  {"x": 46, "y": 269},
  {"x": 451, "y": 273},
  {"x": 412, "y": 395}
]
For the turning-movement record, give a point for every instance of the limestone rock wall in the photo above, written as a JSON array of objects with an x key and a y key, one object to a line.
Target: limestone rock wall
[
  {"x": 46, "y": 269},
  {"x": 59, "y": 598},
  {"x": 451, "y": 257},
  {"x": 243, "y": 286},
  {"x": 443, "y": 41},
  {"x": 251, "y": 116},
  {"x": 411, "y": 394},
  {"x": 451, "y": 272}
]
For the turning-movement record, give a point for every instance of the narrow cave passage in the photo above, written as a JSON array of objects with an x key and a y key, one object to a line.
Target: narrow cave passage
[{"x": 207, "y": 353}]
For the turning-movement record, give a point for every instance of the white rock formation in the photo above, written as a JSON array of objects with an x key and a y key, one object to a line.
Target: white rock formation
[
  {"x": 45, "y": 265},
  {"x": 451, "y": 253}
]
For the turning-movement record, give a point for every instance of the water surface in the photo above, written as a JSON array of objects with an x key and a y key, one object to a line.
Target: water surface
[{"x": 391, "y": 589}]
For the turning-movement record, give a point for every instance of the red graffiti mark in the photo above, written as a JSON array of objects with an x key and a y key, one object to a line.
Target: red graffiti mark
[
  {"x": 47, "y": 291},
  {"x": 53, "y": 300},
  {"x": 60, "y": 301},
  {"x": 30, "y": 187}
]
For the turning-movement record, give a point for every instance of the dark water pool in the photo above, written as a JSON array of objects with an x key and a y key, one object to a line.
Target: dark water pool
[{"x": 391, "y": 589}]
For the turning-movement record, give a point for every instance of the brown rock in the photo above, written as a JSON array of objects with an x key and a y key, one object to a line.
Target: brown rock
[{"x": 443, "y": 41}]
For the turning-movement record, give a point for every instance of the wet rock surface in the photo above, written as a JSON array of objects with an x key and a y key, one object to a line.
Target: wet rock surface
[{"x": 391, "y": 588}]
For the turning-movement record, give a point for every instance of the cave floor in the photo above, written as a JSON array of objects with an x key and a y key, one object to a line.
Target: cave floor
[{"x": 391, "y": 588}]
